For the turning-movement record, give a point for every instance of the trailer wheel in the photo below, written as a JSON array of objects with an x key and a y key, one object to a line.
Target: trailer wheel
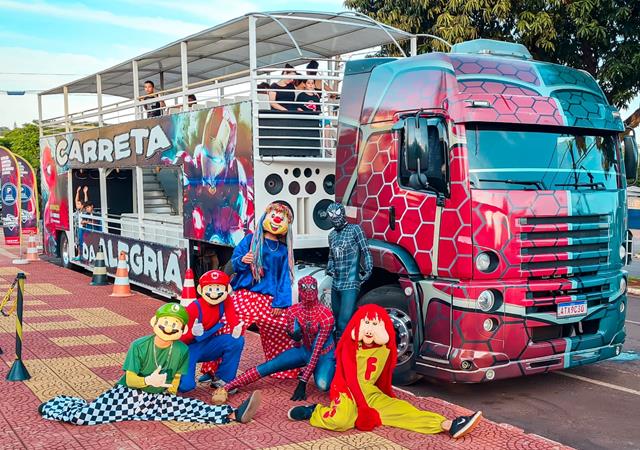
[
  {"x": 63, "y": 251},
  {"x": 392, "y": 299}
]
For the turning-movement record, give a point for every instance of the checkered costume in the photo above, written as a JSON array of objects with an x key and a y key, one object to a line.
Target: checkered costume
[
  {"x": 121, "y": 403},
  {"x": 348, "y": 249}
]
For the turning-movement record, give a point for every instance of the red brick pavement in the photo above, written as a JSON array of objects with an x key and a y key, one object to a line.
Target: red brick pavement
[{"x": 74, "y": 342}]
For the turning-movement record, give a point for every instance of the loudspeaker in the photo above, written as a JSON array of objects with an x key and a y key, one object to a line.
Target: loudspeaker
[{"x": 308, "y": 186}]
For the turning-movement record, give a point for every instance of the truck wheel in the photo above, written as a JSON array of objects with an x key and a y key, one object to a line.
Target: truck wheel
[
  {"x": 392, "y": 299},
  {"x": 63, "y": 251}
]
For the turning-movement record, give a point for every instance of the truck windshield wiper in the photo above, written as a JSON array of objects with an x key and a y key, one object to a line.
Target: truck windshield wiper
[
  {"x": 539, "y": 184},
  {"x": 594, "y": 185}
]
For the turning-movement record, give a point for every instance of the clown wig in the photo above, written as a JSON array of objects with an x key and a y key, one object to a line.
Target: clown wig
[{"x": 258, "y": 240}]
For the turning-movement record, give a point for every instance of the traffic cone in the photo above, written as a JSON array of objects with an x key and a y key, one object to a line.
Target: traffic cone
[
  {"x": 32, "y": 250},
  {"x": 99, "y": 277},
  {"x": 121, "y": 287},
  {"x": 188, "y": 289}
]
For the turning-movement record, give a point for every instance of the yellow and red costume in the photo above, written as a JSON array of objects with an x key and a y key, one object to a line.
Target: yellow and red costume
[{"x": 361, "y": 392}]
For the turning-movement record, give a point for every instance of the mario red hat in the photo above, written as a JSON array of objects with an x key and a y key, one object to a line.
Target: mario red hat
[{"x": 214, "y": 277}]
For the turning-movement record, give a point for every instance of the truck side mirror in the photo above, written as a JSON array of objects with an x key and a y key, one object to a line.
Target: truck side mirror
[
  {"x": 416, "y": 144},
  {"x": 630, "y": 157}
]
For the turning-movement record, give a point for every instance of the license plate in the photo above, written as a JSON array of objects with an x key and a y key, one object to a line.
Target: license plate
[{"x": 572, "y": 309}]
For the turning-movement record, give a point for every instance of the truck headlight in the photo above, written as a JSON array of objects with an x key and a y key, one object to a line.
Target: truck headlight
[
  {"x": 486, "y": 300},
  {"x": 623, "y": 286},
  {"x": 623, "y": 252},
  {"x": 486, "y": 261},
  {"x": 483, "y": 261}
]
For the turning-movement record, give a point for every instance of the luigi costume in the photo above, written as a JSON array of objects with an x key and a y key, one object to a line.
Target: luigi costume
[{"x": 147, "y": 390}]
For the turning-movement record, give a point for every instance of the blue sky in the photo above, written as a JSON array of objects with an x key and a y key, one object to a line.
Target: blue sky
[{"x": 61, "y": 40}]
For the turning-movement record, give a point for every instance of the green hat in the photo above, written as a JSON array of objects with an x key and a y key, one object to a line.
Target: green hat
[{"x": 173, "y": 310}]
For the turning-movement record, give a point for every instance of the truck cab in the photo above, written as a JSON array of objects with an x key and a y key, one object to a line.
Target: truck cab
[{"x": 492, "y": 189}]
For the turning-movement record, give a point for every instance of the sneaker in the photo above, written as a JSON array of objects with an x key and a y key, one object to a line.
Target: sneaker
[
  {"x": 248, "y": 408},
  {"x": 464, "y": 425},
  {"x": 218, "y": 383},
  {"x": 204, "y": 378},
  {"x": 75, "y": 258},
  {"x": 301, "y": 412},
  {"x": 41, "y": 408}
]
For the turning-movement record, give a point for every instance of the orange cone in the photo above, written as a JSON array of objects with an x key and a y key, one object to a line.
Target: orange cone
[
  {"x": 32, "y": 250},
  {"x": 188, "y": 289},
  {"x": 121, "y": 287}
]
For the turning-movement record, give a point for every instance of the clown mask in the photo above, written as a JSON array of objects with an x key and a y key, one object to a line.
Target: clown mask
[
  {"x": 214, "y": 294},
  {"x": 337, "y": 215},
  {"x": 168, "y": 328},
  {"x": 372, "y": 331},
  {"x": 276, "y": 222}
]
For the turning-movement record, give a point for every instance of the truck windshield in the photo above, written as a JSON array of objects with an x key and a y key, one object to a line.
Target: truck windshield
[{"x": 507, "y": 158}]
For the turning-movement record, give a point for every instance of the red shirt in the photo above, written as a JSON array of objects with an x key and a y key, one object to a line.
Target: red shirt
[{"x": 211, "y": 315}]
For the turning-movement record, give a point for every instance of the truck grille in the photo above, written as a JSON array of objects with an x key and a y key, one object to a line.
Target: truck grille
[{"x": 563, "y": 246}]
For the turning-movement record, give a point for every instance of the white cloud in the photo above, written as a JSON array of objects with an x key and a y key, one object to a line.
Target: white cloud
[{"x": 80, "y": 12}]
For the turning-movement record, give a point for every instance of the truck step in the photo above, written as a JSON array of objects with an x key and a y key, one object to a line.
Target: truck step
[{"x": 156, "y": 201}]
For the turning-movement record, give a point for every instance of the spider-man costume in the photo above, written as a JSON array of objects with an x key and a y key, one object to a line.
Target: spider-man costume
[
  {"x": 310, "y": 325},
  {"x": 350, "y": 265}
]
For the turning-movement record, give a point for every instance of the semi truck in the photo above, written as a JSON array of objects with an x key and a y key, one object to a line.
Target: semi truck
[{"x": 491, "y": 186}]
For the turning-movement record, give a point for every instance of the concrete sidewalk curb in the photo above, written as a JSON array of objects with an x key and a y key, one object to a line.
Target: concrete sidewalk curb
[{"x": 633, "y": 291}]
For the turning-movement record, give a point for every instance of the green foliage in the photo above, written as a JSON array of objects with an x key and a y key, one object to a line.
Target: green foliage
[
  {"x": 24, "y": 141},
  {"x": 599, "y": 36}
]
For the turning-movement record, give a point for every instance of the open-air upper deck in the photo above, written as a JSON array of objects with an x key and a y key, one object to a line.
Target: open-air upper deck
[{"x": 229, "y": 63}]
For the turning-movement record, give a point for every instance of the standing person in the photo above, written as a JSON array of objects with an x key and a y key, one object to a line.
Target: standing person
[
  {"x": 283, "y": 93},
  {"x": 350, "y": 265},
  {"x": 153, "y": 109},
  {"x": 147, "y": 391},
  {"x": 308, "y": 100},
  {"x": 310, "y": 325},
  {"x": 263, "y": 266}
]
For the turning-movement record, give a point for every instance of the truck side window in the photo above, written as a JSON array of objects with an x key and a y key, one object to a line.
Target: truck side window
[{"x": 423, "y": 154}]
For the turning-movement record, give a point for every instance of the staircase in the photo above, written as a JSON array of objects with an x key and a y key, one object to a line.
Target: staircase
[{"x": 155, "y": 199}]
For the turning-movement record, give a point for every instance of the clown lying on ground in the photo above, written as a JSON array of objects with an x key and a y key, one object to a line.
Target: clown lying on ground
[
  {"x": 310, "y": 325},
  {"x": 153, "y": 367},
  {"x": 361, "y": 392}
]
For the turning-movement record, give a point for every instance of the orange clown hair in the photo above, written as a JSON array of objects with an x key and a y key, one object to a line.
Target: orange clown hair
[{"x": 346, "y": 381}]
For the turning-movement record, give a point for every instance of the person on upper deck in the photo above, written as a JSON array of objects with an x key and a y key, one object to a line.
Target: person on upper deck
[
  {"x": 308, "y": 100},
  {"x": 283, "y": 94},
  {"x": 153, "y": 109}
]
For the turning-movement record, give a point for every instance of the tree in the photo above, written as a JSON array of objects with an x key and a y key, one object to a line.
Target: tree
[
  {"x": 599, "y": 36},
  {"x": 24, "y": 141}
]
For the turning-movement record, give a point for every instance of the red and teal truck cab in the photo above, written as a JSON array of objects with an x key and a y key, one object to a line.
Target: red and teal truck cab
[{"x": 492, "y": 189}]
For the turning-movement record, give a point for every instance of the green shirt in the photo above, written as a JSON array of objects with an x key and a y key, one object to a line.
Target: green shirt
[{"x": 140, "y": 360}]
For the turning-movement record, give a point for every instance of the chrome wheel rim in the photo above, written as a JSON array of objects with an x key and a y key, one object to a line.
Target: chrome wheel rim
[{"x": 404, "y": 334}]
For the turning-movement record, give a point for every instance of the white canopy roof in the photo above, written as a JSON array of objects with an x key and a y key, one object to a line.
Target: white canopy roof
[{"x": 289, "y": 36}]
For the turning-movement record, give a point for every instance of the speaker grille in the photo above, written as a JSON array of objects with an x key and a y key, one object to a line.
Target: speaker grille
[
  {"x": 329, "y": 184},
  {"x": 320, "y": 216},
  {"x": 273, "y": 184}
]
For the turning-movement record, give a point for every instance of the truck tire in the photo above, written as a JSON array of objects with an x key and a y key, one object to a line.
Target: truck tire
[
  {"x": 392, "y": 298},
  {"x": 63, "y": 251}
]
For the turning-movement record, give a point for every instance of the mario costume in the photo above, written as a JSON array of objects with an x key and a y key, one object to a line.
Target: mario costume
[
  {"x": 153, "y": 368},
  {"x": 202, "y": 337},
  {"x": 263, "y": 266},
  {"x": 310, "y": 326},
  {"x": 361, "y": 392}
]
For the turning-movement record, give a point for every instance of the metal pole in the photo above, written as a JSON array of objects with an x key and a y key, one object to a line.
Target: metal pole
[
  {"x": 414, "y": 46},
  {"x": 140, "y": 201},
  {"x": 99, "y": 94},
  {"x": 136, "y": 89},
  {"x": 184, "y": 65},
  {"x": 65, "y": 94},
  {"x": 253, "y": 73},
  {"x": 40, "y": 114},
  {"x": 18, "y": 370}
]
